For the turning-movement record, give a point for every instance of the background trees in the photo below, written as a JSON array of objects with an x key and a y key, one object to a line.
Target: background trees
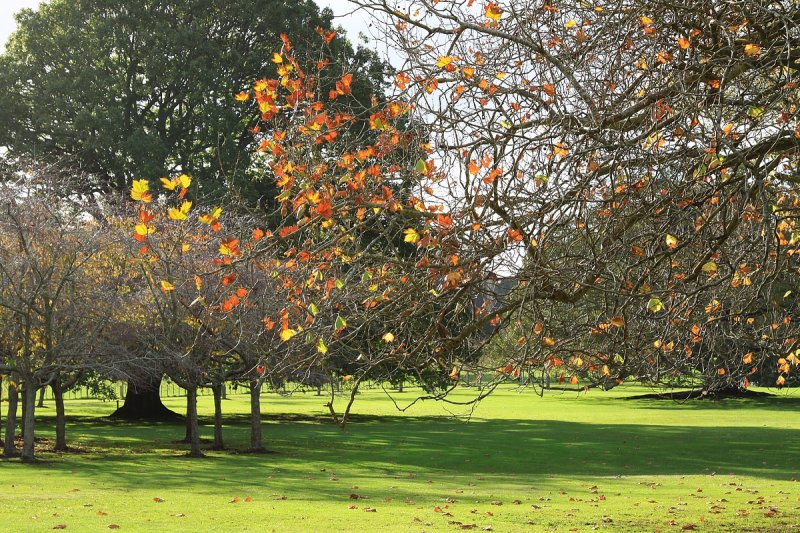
[
  {"x": 53, "y": 316},
  {"x": 147, "y": 88}
]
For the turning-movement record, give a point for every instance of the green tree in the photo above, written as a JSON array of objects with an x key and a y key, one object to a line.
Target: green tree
[{"x": 146, "y": 88}]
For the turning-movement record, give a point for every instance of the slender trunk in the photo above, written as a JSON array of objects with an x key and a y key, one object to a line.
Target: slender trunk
[
  {"x": 9, "y": 448},
  {"x": 218, "y": 389},
  {"x": 61, "y": 419},
  {"x": 256, "y": 444},
  {"x": 28, "y": 433},
  {"x": 22, "y": 409},
  {"x": 1, "y": 401},
  {"x": 41, "y": 397},
  {"x": 188, "y": 422},
  {"x": 192, "y": 424}
]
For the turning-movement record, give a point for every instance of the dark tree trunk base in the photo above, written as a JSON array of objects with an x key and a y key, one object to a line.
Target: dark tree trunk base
[{"x": 143, "y": 402}]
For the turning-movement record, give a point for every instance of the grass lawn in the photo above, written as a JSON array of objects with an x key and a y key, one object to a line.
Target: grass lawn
[{"x": 564, "y": 462}]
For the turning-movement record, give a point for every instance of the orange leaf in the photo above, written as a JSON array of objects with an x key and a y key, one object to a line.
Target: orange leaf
[{"x": 493, "y": 11}]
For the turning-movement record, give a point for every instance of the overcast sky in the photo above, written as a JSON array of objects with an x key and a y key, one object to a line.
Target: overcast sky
[{"x": 352, "y": 22}]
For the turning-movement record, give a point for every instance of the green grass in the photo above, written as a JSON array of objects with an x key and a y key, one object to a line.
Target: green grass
[{"x": 583, "y": 462}]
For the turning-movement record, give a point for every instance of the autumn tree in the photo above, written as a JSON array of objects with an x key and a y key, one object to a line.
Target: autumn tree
[
  {"x": 630, "y": 168},
  {"x": 52, "y": 314}
]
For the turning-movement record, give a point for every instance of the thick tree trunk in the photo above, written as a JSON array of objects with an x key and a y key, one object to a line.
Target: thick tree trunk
[
  {"x": 61, "y": 419},
  {"x": 194, "y": 426},
  {"x": 41, "y": 397},
  {"x": 218, "y": 390},
  {"x": 143, "y": 402},
  {"x": 9, "y": 448},
  {"x": 256, "y": 444},
  {"x": 28, "y": 433}
]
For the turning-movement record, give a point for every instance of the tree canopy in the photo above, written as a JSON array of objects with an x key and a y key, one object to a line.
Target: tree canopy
[{"x": 142, "y": 88}]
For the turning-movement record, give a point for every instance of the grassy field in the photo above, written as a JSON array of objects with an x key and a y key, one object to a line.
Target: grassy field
[{"x": 565, "y": 462}]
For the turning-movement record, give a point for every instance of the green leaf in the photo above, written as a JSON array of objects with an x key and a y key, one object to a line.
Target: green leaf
[
  {"x": 421, "y": 167},
  {"x": 313, "y": 309},
  {"x": 655, "y": 305},
  {"x": 340, "y": 323},
  {"x": 339, "y": 284}
]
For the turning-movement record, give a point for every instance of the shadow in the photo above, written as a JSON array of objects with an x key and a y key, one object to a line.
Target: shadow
[{"x": 310, "y": 450}]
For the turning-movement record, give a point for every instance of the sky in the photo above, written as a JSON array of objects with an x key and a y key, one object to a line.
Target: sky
[{"x": 352, "y": 22}]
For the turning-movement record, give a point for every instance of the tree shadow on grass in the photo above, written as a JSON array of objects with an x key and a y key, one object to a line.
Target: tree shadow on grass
[{"x": 520, "y": 451}]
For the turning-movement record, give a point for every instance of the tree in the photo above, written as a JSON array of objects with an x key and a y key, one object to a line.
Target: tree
[
  {"x": 51, "y": 312},
  {"x": 147, "y": 88},
  {"x": 631, "y": 168}
]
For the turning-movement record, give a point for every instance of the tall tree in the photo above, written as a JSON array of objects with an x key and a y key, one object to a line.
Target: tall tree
[{"x": 145, "y": 88}]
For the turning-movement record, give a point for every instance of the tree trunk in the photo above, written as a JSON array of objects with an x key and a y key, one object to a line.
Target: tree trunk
[
  {"x": 193, "y": 425},
  {"x": 9, "y": 448},
  {"x": 41, "y": 397},
  {"x": 61, "y": 419},
  {"x": 187, "y": 438},
  {"x": 256, "y": 444},
  {"x": 143, "y": 402},
  {"x": 218, "y": 390},
  {"x": 28, "y": 433}
]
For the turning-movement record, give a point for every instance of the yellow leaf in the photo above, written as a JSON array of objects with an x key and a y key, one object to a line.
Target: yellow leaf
[
  {"x": 671, "y": 240},
  {"x": 574, "y": 380},
  {"x": 752, "y": 50},
  {"x": 411, "y": 235},
  {"x": 571, "y": 23},
  {"x": 348, "y": 377},
  {"x": 560, "y": 149},
  {"x": 242, "y": 97},
  {"x": 321, "y": 347},
  {"x": 140, "y": 189},
  {"x": 276, "y": 58},
  {"x": 177, "y": 214},
  {"x": 144, "y": 229},
  {"x": 655, "y": 305},
  {"x": 454, "y": 374},
  {"x": 646, "y": 21},
  {"x": 444, "y": 61},
  {"x": 169, "y": 184},
  {"x": 166, "y": 286},
  {"x": 493, "y": 11},
  {"x": 710, "y": 268},
  {"x": 287, "y": 334},
  {"x": 184, "y": 181},
  {"x": 617, "y": 322},
  {"x": 388, "y": 337}
]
